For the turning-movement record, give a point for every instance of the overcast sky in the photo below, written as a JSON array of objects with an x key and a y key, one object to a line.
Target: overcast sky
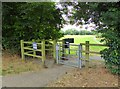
[{"x": 89, "y": 27}]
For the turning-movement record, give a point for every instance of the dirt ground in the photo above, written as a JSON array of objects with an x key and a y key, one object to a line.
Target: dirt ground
[
  {"x": 12, "y": 64},
  {"x": 94, "y": 75}
]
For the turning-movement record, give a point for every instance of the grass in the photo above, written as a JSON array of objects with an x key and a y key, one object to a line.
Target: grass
[
  {"x": 12, "y": 64},
  {"x": 82, "y": 38}
]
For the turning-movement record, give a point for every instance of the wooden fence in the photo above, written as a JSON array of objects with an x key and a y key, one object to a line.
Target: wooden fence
[
  {"x": 42, "y": 48},
  {"x": 87, "y": 49}
]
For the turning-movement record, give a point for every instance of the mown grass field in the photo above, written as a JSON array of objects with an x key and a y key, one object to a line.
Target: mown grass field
[{"x": 82, "y": 38}]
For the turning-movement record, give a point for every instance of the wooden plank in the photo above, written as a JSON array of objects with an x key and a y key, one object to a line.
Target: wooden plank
[
  {"x": 48, "y": 45},
  {"x": 97, "y": 45},
  {"x": 49, "y": 49},
  {"x": 49, "y": 40},
  {"x": 39, "y": 43},
  {"x": 30, "y": 42},
  {"x": 74, "y": 44},
  {"x": 32, "y": 55},
  {"x": 82, "y": 43},
  {"x": 22, "y": 49},
  {"x": 87, "y": 50},
  {"x": 34, "y": 52},
  {"x": 90, "y": 52},
  {"x": 43, "y": 52},
  {"x": 29, "y": 52},
  {"x": 31, "y": 49},
  {"x": 74, "y": 49},
  {"x": 54, "y": 49},
  {"x": 94, "y": 44}
]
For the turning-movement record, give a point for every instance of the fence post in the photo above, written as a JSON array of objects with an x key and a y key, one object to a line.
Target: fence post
[
  {"x": 87, "y": 50},
  {"x": 43, "y": 52},
  {"x": 34, "y": 52},
  {"x": 80, "y": 56},
  {"x": 63, "y": 49},
  {"x": 54, "y": 50},
  {"x": 22, "y": 49}
]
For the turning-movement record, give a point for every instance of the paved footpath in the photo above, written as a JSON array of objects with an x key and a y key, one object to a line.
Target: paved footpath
[
  {"x": 35, "y": 79},
  {"x": 38, "y": 79}
]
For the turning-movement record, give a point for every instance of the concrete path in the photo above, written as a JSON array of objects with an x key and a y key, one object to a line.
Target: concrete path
[
  {"x": 35, "y": 79},
  {"x": 40, "y": 78}
]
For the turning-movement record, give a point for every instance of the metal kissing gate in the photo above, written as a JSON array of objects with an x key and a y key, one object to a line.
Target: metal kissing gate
[{"x": 69, "y": 54}]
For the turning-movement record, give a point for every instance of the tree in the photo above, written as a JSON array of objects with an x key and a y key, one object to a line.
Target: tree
[
  {"x": 106, "y": 17},
  {"x": 29, "y": 21}
]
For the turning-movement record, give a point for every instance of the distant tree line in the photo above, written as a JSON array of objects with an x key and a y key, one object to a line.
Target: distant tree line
[{"x": 76, "y": 32}]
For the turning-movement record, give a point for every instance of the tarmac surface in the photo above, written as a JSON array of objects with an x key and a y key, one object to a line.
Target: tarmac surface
[
  {"x": 39, "y": 78},
  {"x": 35, "y": 79}
]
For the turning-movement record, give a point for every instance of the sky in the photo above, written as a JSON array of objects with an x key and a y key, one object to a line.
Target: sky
[{"x": 88, "y": 27}]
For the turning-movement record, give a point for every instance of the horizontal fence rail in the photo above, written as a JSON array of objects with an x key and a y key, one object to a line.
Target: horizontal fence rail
[
  {"x": 87, "y": 49},
  {"x": 94, "y": 44},
  {"x": 30, "y": 51}
]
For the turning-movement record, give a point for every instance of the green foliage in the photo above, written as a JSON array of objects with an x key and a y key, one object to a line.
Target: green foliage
[
  {"x": 112, "y": 38},
  {"x": 27, "y": 21},
  {"x": 106, "y": 16}
]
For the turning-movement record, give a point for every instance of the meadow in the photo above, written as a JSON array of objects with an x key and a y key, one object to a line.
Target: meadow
[{"x": 82, "y": 38}]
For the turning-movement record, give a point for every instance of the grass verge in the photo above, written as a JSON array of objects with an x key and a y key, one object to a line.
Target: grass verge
[
  {"x": 12, "y": 64},
  {"x": 82, "y": 38}
]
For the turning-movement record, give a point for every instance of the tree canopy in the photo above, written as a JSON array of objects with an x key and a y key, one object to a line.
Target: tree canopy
[
  {"x": 43, "y": 20},
  {"x": 29, "y": 21},
  {"x": 106, "y": 16}
]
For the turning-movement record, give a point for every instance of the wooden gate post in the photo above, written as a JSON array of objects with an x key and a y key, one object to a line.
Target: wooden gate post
[
  {"x": 34, "y": 52},
  {"x": 87, "y": 50},
  {"x": 63, "y": 49},
  {"x": 54, "y": 50},
  {"x": 43, "y": 52},
  {"x": 22, "y": 49}
]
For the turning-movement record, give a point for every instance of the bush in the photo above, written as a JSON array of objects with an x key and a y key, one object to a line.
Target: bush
[{"x": 112, "y": 53}]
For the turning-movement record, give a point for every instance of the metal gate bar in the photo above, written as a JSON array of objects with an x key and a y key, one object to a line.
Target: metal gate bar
[{"x": 66, "y": 62}]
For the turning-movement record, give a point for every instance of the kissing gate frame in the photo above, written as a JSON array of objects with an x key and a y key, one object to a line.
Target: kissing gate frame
[
  {"x": 60, "y": 54},
  {"x": 32, "y": 52},
  {"x": 55, "y": 47}
]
